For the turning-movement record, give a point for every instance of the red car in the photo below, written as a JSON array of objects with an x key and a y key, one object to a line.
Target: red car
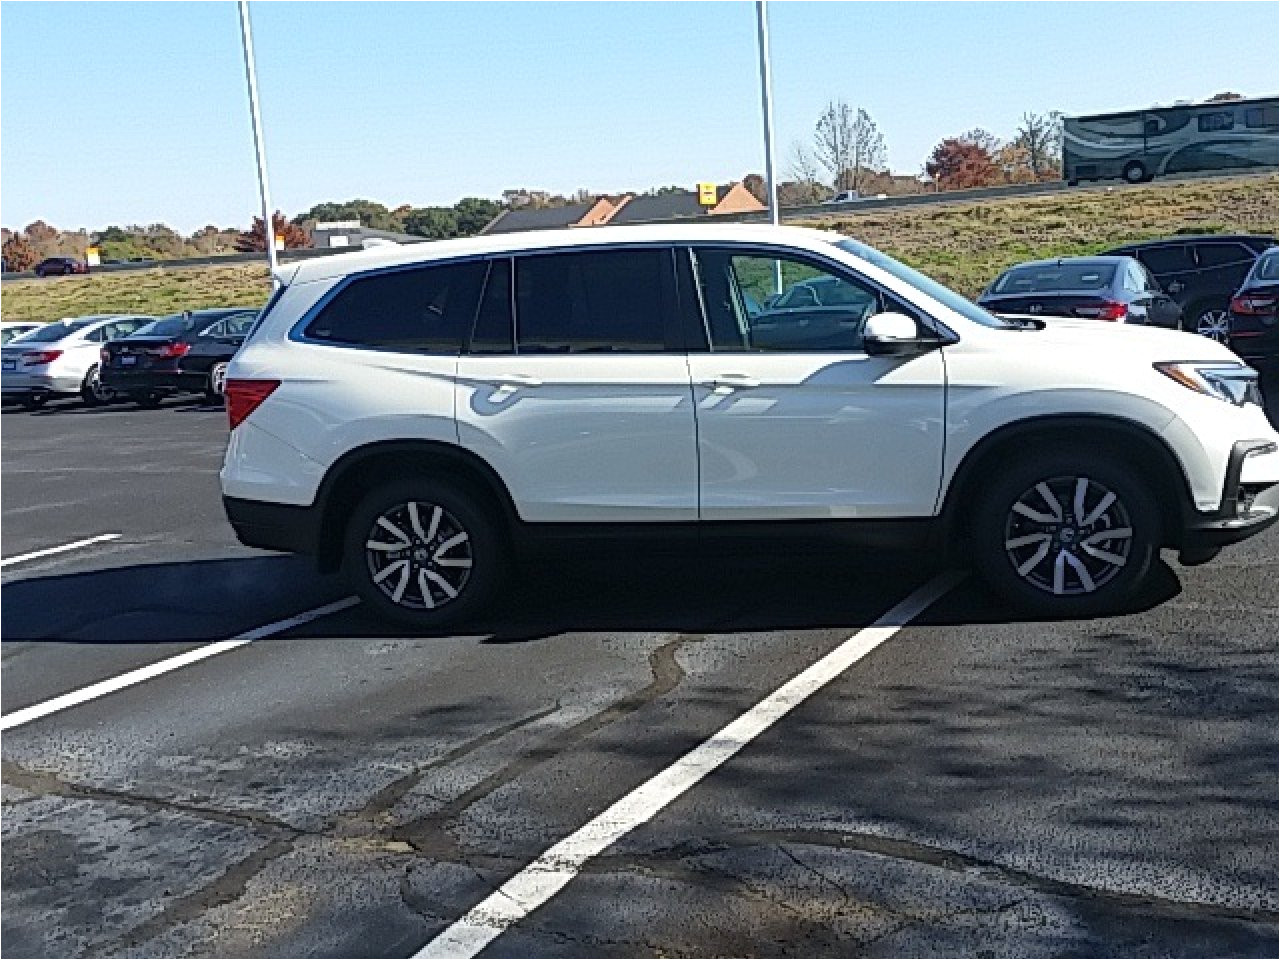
[{"x": 60, "y": 266}]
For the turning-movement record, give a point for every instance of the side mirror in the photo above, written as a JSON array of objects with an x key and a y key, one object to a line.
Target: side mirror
[{"x": 894, "y": 335}]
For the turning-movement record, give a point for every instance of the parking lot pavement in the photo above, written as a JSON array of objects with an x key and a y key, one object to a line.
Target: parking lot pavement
[{"x": 975, "y": 785}]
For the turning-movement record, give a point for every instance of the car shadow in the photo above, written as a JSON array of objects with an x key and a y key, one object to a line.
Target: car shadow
[{"x": 756, "y": 587}]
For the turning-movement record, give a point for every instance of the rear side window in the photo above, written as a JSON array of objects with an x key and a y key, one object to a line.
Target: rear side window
[
  {"x": 1262, "y": 117},
  {"x": 599, "y": 302},
  {"x": 1222, "y": 254},
  {"x": 419, "y": 310},
  {"x": 1170, "y": 259},
  {"x": 1267, "y": 267}
]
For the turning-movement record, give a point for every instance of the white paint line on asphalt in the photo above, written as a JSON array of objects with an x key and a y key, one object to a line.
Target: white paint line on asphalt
[
  {"x": 546, "y": 876},
  {"x": 37, "y": 554},
  {"x": 95, "y": 690}
]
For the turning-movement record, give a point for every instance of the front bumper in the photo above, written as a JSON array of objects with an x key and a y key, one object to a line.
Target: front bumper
[{"x": 1250, "y": 502}]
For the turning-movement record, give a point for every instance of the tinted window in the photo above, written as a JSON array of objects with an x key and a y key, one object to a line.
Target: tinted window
[
  {"x": 51, "y": 332},
  {"x": 420, "y": 310},
  {"x": 1216, "y": 121},
  {"x": 1221, "y": 254},
  {"x": 121, "y": 328},
  {"x": 1264, "y": 116},
  {"x": 1169, "y": 259},
  {"x": 1266, "y": 267},
  {"x": 814, "y": 311},
  {"x": 494, "y": 332},
  {"x": 1038, "y": 278},
  {"x": 1134, "y": 280},
  {"x": 611, "y": 301},
  {"x": 174, "y": 326}
]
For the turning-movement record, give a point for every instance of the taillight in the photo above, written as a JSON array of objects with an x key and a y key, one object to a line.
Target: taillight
[
  {"x": 245, "y": 396},
  {"x": 1107, "y": 310},
  {"x": 37, "y": 358},
  {"x": 178, "y": 349},
  {"x": 1252, "y": 304},
  {"x": 104, "y": 356}
]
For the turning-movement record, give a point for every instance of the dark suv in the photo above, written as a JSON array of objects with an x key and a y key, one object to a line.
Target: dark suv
[
  {"x": 1200, "y": 273},
  {"x": 60, "y": 266}
]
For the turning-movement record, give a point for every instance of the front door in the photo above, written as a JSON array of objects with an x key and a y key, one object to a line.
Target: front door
[
  {"x": 581, "y": 402},
  {"x": 795, "y": 419}
]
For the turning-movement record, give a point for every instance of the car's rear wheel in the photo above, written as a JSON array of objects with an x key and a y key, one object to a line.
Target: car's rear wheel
[
  {"x": 1071, "y": 533},
  {"x": 217, "y": 385},
  {"x": 1211, "y": 321},
  {"x": 424, "y": 552},
  {"x": 92, "y": 392}
]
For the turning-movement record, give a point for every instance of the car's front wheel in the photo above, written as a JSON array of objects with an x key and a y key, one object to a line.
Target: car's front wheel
[
  {"x": 1211, "y": 321},
  {"x": 1066, "y": 533},
  {"x": 217, "y": 384},
  {"x": 424, "y": 552}
]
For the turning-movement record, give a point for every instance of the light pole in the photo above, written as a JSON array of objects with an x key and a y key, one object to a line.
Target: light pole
[
  {"x": 268, "y": 225},
  {"x": 766, "y": 106}
]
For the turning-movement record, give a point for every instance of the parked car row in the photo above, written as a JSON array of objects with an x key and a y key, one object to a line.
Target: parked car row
[
  {"x": 105, "y": 357},
  {"x": 1222, "y": 287}
]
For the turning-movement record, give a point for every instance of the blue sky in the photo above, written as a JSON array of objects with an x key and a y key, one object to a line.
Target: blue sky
[{"x": 137, "y": 113}]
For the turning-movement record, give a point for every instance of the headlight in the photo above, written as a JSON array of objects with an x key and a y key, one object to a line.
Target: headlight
[{"x": 1232, "y": 382}]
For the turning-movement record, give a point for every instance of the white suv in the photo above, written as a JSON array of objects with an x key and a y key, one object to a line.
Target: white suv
[{"x": 415, "y": 414}]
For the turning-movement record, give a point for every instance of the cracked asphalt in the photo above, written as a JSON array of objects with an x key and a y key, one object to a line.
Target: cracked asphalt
[{"x": 978, "y": 785}]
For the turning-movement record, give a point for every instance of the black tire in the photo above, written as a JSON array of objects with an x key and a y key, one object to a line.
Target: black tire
[
  {"x": 1014, "y": 572},
  {"x": 34, "y": 401},
  {"x": 1135, "y": 172},
  {"x": 485, "y": 548},
  {"x": 92, "y": 392},
  {"x": 148, "y": 400}
]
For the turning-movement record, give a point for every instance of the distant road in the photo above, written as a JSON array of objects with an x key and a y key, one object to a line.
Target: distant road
[{"x": 789, "y": 214}]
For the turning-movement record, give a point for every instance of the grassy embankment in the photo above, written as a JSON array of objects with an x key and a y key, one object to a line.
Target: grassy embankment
[{"x": 963, "y": 244}]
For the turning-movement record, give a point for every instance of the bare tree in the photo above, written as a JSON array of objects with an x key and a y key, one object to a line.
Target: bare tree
[
  {"x": 848, "y": 144},
  {"x": 1040, "y": 135},
  {"x": 801, "y": 165}
]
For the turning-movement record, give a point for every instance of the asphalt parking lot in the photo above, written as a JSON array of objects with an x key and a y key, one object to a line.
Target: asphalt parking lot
[{"x": 974, "y": 785}]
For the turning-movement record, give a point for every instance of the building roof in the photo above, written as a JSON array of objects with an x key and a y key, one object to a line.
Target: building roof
[
  {"x": 661, "y": 206},
  {"x": 706, "y": 230},
  {"x": 539, "y": 218}
]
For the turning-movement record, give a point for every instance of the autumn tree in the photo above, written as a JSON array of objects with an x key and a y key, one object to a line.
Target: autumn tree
[
  {"x": 848, "y": 143},
  {"x": 755, "y": 185},
  {"x": 254, "y": 240},
  {"x": 19, "y": 253},
  {"x": 1040, "y": 136},
  {"x": 958, "y": 164}
]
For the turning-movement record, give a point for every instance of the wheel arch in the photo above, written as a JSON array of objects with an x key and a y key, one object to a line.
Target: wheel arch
[
  {"x": 1134, "y": 444},
  {"x": 353, "y": 474}
]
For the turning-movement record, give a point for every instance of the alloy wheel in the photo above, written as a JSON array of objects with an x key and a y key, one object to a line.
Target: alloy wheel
[
  {"x": 218, "y": 379},
  {"x": 419, "y": 555},
  {"x": 1068, "y": 536},
  {"x": 101, "y": 393},
  {"x": 1213, "y": 324}
]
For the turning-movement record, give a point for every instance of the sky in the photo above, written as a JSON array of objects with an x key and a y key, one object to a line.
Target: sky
[{"x": 137, "y": 112}]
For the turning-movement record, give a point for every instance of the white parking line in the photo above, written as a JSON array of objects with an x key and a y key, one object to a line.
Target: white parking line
[
  {"x": 545, "y": 877},
  {"x": 95, "y": 690},
  {"x": 37, "y": 554}
]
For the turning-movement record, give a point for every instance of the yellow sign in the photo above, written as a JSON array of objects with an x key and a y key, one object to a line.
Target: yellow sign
[
  {"x": 93, "y": 257},
  {"x": 707, "y": 194},
  {"x": 279, "y": 241}
]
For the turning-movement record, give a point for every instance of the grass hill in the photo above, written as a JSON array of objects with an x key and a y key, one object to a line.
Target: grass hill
[{"x": 963, "y": 244}]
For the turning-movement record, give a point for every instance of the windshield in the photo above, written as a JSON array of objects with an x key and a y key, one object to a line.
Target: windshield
[
  {"x": 1045, "y": 277},
  {"x": 944, "y": 295},
  {"x": 173, "y": 326},
  {"x": 51, "y": 332},
  {"x": 1268, "y": 265}
]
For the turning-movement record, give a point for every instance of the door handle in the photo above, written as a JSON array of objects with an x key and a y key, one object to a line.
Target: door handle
[
  {"x": 511, "y": 381},
  {"x": 1175, "y": 287},
  {"x": 735, "y": 380}
]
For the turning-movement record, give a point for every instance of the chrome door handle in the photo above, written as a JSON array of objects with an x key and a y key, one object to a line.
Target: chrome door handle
[{"x": 735, "y": 380}]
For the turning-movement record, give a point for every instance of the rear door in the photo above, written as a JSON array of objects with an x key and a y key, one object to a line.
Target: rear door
[
  {"x": 795, "y": 418},
  {"x": 580, "y": 398},
  {"x": 1172, "y": 266}
]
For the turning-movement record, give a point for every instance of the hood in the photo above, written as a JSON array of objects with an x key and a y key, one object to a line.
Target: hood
[{"x": 1138, "y": 342}]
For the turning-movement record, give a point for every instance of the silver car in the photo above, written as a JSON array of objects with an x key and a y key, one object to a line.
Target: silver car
[{"x": 61, "y": 359}]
